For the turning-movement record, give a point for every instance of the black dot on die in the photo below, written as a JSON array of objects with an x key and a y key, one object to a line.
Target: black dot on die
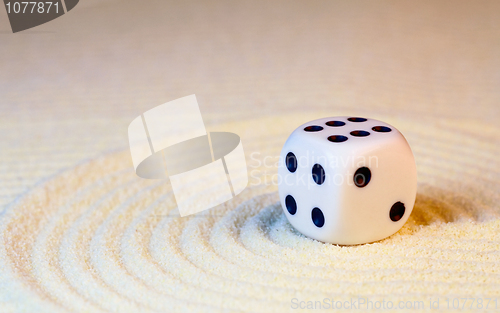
[
  {"x": 318, "y": 174},
  {"x": 337, "y": 138},
  {"x": 397, "y": 211},
  {"x": 291, "y": 162},
  {"x": 335, "y": 123},
  {"x": 317, "y": 217},
  {"x": 313, "y": 128},
  {"x": 357, "y": 119},
  {"x": 362, "y": 177},
  {"x": 291, "y": 205},
  {"x": 360, "y": 133},
  {"x": 381, "y": 129}
]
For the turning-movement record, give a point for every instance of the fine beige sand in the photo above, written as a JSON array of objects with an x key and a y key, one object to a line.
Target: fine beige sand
[{"x": 80, "y": 232}]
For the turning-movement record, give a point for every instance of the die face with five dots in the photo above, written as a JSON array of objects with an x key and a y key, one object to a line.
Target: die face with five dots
[{"x": 347, "y": 180}]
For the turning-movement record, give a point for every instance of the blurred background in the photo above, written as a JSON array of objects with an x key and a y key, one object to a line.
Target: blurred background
[{"x": 90, "y": 72}]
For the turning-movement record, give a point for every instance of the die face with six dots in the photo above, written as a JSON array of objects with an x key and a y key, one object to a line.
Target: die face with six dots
[{"x": 347, "y": 180}]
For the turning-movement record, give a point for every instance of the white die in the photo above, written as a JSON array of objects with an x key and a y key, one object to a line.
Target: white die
[{"x": 365, "y": 185}]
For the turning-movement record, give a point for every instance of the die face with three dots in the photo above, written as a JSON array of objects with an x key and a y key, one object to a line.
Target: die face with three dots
[{"x": 347, "y": 180}]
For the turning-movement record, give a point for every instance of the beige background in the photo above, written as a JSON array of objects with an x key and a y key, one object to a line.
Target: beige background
[
  {"x": 69, "y": 88},
  {"x": 108, "y": 61}
]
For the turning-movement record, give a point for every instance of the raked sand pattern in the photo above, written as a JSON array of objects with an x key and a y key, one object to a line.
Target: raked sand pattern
[{"x": 96, "y": 238}]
